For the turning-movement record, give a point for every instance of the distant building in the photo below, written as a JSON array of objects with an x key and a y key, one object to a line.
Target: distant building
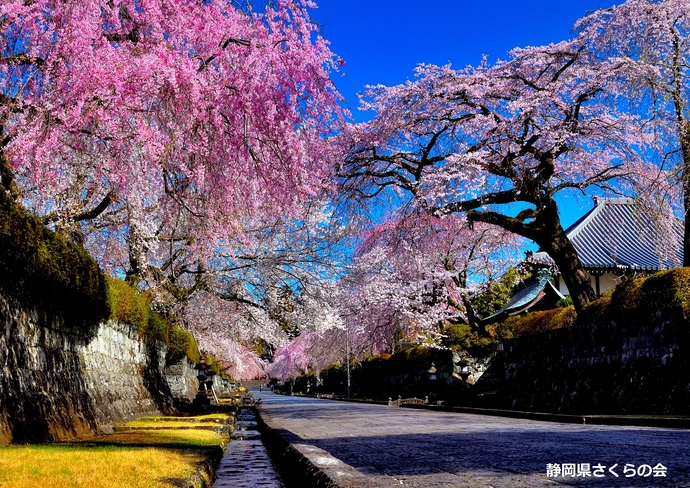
[{"x": 619, "y": 238}]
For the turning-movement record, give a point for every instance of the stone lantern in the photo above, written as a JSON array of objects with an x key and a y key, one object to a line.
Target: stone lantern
[{"x": 201, "y": 397}]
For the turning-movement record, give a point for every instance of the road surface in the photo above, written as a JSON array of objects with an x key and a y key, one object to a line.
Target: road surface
[{"x": 365, "y": 445}]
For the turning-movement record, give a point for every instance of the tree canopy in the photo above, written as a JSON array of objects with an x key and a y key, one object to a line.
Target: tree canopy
[
  {"x": 171, "y": 138},
  {"x": 200, "y": 149},
  {"x": 498, "y": 143},
  {"x": 653, "y": 37}
]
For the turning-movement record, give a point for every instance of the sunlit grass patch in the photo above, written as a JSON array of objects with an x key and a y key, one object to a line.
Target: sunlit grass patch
[
  {"x": 186, "y": 422},
  {"x": 135, "y": 458},
  {"x": 189, "y": 438},
  {"x": 58, "y": 466}
]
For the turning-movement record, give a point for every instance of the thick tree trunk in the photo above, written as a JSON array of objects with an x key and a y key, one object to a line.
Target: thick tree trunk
[
  {"x": 574, "y": 275},
  {"x": 547, "y": 232},
  {"x": 554, "y": 241},
  {"x": 684, "y": 139}
]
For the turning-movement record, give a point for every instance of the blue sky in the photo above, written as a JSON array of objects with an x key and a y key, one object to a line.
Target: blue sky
[{"x": 381, "y": 41}]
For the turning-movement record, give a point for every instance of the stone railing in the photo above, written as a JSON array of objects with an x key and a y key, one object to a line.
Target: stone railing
[
  {"x": 411, "y": 401},
  {"x": 407, "y": 401}
]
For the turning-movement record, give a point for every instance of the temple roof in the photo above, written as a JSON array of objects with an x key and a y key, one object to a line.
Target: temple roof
[
  {"x": 526, "y": 298},
  {"x": 620, "y": 234}
]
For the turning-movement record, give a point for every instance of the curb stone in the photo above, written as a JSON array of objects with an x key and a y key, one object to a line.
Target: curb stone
[{"x": 305, "y": 465}]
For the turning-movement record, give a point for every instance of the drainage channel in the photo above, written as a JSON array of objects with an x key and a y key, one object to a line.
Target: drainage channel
[{"x": 245, "y": 462}]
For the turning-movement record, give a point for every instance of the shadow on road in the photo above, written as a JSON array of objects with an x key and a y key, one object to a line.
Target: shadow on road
[{"x": 404, "y": 443}]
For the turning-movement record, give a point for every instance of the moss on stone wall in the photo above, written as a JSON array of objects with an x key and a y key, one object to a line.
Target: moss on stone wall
[
  {"x": 182, "y": 343},
  {"x": 637, "y": 300},
  {"x": 633, "y": 301},
  {"x": 43, "y": 269},
  {"x": 536, "y": 322},
  {"x": 668, "y": 289},
  {"x": 128, "y": 306}
]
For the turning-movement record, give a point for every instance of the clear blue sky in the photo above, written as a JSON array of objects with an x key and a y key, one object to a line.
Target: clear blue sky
[{"x": 381, "y": 41}]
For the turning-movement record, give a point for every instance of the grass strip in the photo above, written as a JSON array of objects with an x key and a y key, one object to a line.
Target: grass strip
[{"x": 140, "y": 458}]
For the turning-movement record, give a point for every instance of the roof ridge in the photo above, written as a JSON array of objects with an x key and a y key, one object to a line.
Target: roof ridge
[
  {"x": 613, "y": 200},
  {"x": 575, "y": 229}
]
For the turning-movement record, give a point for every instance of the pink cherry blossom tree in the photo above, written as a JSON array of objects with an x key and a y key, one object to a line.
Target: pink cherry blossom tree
[
  {"x": 163, "y": 121},
  {"x": 272, "y": 286},
  {"x": 653, "y": 36},
  {"x": 415, "y": 273},
  {"x": 498, "y": 143},
  {"x": 184, "y": 143}
]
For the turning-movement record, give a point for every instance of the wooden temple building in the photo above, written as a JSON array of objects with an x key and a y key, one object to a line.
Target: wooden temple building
[{"x": 617, "y": 239}]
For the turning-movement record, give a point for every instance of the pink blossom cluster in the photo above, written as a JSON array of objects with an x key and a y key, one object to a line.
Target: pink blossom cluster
[{"x": 178, "y": 109}]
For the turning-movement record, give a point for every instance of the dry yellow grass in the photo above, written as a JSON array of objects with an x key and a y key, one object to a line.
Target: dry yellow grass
[
  {"x": 184, "y": 422},
  {"x": 139, "y": 458},
  {"x": 179, "y": 438},
  {"x": 76, "y": 466}
]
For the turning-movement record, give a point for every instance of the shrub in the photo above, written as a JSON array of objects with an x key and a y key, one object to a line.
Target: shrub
[
  {"x": 182, "y": 343},
  {"x": 158, "y": 328},
  {"x": 667, "y": 289},
  {"x": 415, "y": 352},
  {"x": 564, "y": 302},
  {"x": 596, "y": 311},
  {"x": 461, "y": 336},
  {"x": 535, "y": 322},
  {"x": 126, "y": 305},
  {"x": 215, "y": 365},
  {"x": 498, "y": 293},
  {"x": 626, "y": 300},
  {"x": 133, "y": 308}
]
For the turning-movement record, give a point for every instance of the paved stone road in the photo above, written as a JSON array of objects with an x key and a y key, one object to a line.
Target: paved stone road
[{"x": 360, "y": 445}]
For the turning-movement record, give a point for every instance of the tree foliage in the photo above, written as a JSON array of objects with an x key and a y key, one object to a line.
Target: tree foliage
[
  {"x": 652, "y": 37},
  {"x": 415, "y": 273},
  {"x": 173, "y": 139},
  {"x": 497, "y": 293},
  {"x": 45, "y": 270},
  {"x": 498, "y": 143},
  {"x": 163, "y": 121}
]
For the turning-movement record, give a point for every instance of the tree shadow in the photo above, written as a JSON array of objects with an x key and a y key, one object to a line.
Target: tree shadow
[{"x": 490, "y": 451}]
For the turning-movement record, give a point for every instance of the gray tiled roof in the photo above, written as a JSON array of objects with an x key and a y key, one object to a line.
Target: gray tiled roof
[
  {"x": 619, "y": 233},
  {"x": 524, "y": 299}
]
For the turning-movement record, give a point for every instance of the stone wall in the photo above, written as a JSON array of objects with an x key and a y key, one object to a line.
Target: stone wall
[
  {"x": 404, "y": 374},
  {"x": 610, "y": 367},
  {"x": 182, "y": 379},
  {"x": 623, "y": 366},
  {"x": 60, "y": 381}
]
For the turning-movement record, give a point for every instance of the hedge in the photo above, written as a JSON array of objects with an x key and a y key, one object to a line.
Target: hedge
[{"x": 43, "y": 269}]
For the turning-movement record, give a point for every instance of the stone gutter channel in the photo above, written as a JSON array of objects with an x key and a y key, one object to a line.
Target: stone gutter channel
[{"x": 246, "y": 461}]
